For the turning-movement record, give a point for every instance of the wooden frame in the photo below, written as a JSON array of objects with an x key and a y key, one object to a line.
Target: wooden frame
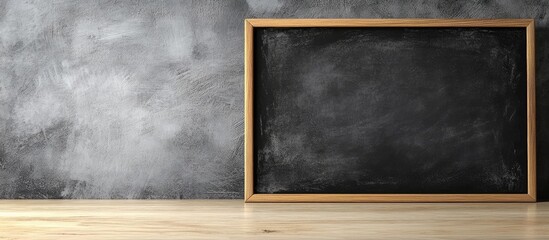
[{"x": 249, "y": 195}]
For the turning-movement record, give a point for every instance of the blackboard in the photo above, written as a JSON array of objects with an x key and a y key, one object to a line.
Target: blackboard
[{"x": 390, "y": 111}]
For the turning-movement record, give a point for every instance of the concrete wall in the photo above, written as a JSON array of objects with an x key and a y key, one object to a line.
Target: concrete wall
[{"x": 144, "y": 99}]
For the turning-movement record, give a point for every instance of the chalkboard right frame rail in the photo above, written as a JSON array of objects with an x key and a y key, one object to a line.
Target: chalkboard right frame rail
[{"x": 251, "y": 197}]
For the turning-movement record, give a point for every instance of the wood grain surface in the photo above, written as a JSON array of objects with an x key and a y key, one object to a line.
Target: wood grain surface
[
  {"x": 232, "y": 219},
  {"x": 248, "y": 110},
  {"x": 409, "y": 22},
  {"x": 391, "y": 198},
  {"x": 531, "y": 107}
]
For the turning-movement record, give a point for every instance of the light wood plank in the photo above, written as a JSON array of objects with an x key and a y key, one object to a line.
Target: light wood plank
[
  {"x": 230, "y": 219},
  {"x": 248, "y": 110},
  {"x": 389, "y": 22},
  {"x": 396, "y": 198}
]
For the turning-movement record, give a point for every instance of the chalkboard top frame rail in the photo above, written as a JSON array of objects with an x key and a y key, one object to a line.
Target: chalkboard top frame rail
[
  {"x": 251, "y": 197},
  {"x": 413, "y": 22}
]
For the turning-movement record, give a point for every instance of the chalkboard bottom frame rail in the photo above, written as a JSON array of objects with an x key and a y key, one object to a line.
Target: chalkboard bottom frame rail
[{"x": 396, "y": 198}]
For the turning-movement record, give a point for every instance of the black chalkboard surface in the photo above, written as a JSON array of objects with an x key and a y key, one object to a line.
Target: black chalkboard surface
[{"x": 390, "y": 110}]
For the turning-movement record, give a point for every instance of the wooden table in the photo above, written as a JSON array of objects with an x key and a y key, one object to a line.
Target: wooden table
[{"x": 232, "y": 219}]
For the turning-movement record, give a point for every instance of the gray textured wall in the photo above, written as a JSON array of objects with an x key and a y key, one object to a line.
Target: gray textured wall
[{"x": 143, "y": 99}]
